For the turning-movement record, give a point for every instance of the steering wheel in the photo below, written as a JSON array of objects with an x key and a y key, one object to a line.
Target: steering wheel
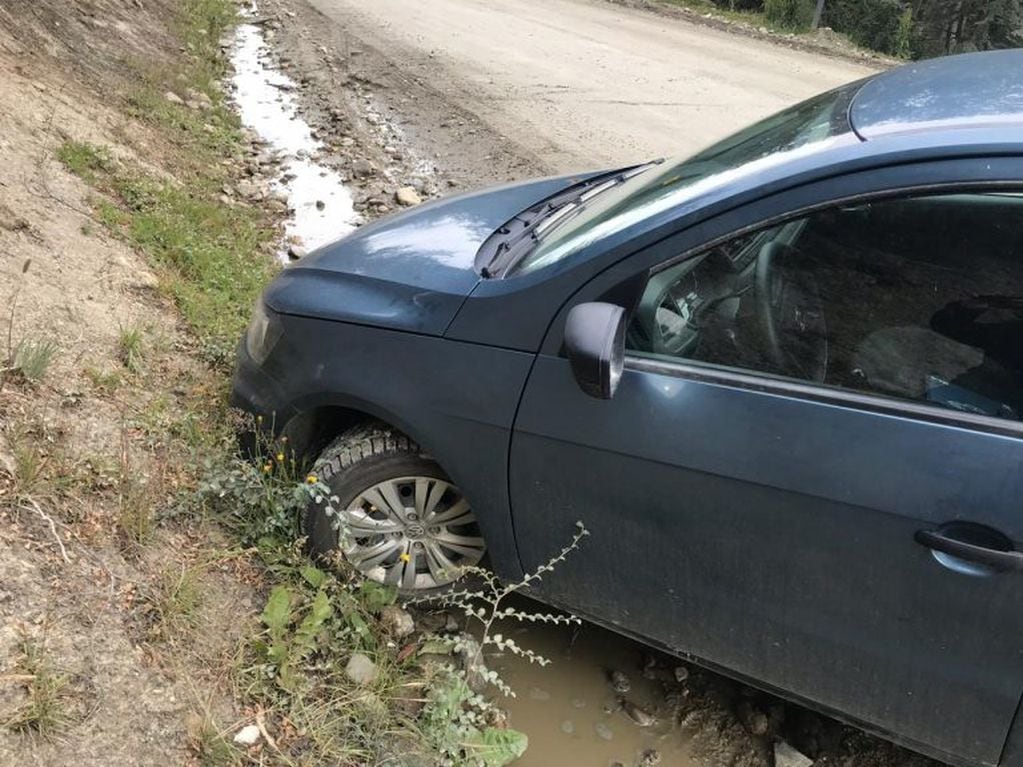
[{"x": 790, "y": 314}]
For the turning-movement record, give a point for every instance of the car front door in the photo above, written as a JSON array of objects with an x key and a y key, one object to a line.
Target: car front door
[{"x": 809, "y": 414}]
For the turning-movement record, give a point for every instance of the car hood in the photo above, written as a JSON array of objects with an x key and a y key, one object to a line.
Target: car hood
[{"x": 409, "y": 271}]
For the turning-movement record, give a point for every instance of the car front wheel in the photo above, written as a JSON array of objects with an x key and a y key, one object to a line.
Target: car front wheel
[{"x": 393, "y": 513}]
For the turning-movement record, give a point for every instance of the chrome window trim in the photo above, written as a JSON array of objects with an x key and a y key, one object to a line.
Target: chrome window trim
[
  {"x": 826, "y": 395},
  {"x": 763, "y": 382}
]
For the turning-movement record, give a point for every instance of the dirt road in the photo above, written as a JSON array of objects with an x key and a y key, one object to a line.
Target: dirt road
[{"x": 588, "y": 83}]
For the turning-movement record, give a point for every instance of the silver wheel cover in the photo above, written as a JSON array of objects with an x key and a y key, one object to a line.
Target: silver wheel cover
[{"x": 411, "y": 532}]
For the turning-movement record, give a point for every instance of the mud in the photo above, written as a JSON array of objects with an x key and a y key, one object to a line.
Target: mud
[
  {"x": 384, "y": 128},
  {"x": 607, "y": 700},
  {"x": 572, "y": 707}
]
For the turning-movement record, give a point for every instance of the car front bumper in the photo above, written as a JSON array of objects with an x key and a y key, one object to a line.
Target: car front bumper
[{"x": 257, "y": 394}]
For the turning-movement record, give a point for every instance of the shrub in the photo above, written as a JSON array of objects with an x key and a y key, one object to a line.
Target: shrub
[
  {"x": 740, "y": 5},
  {"x": 794, "y": 15},
  {"x": 904, "y": 36},
  {"x": 881, "y": 25}
]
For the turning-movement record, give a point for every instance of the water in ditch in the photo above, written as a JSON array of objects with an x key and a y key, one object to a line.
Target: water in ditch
[
  {"x": 319, "y": 201},
  {"x": 603, "y": 700}
]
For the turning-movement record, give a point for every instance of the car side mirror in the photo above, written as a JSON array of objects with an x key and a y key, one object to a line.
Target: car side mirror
[{"x": 595, "y": 345}]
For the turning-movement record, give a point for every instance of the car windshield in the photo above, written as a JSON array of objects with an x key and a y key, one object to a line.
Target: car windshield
[{"x": 801, "y": 129}]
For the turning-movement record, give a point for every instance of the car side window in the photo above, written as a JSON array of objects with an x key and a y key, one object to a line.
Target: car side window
[{"x": 918, "y": 298}]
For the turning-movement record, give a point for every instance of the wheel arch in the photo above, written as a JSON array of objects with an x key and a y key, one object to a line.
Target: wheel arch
[
  {"x": 456, "y": 400},
  {"x": 316, "y": 419},
  {"x": 319, "y": 419}
]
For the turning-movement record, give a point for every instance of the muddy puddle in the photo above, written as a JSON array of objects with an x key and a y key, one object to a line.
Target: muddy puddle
[
  {"x": 607, "y": 701},
  {"x": 602, "y": 700}
]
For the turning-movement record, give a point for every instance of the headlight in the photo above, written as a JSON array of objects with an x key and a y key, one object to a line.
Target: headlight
[{"x": 264, "y": 330}]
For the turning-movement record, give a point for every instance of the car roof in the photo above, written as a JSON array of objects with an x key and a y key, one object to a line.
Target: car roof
[{"x": 973, "y": 89}]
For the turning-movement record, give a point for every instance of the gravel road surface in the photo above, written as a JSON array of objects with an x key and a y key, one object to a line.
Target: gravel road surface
[{"x": 584, "y": 83}]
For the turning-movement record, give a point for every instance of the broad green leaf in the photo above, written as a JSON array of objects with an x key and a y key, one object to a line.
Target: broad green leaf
[
  {"x": 277, "y": 653},
  {"x": 496, "y": 748},
  {"x": 277, "y": 612},
  {"x": 314, "y": 576},
  {"x": 305, "y": 636},
  {"x": 375, "y": 596},
  {"x": 288, "y": 679},
  {"x": 437, "y": 646},
  {"x": 361, "y": 628}
]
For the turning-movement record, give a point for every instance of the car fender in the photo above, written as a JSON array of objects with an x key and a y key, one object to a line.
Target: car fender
[{"x": 456, "y": 399}]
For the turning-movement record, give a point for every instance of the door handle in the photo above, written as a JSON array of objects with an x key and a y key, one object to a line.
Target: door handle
[{"x": 971, "y": 552}]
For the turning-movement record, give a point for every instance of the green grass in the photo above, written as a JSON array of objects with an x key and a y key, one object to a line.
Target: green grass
[
  {"x": 85, "y": 160},
  {"x": 202, "y": 24},
  {"x": 211, "y": 255},
  {"x": 107, "y": 381},
  {"x": 214, "y": 253},
  {"x": 136, "y": 523},
  {"x": 198, "y": 133},
  {"x": 45, "y": 709},
  {"x": 173, "y": 603},
  {"x": 32, "y": 357},
  {"x": 29, "y": 460},
  {"x": 202, "y": 135},
  {"x": 212, "y": 748},
  {"x": 131, "y": 349},
  {"x": 216, "y": 249}
]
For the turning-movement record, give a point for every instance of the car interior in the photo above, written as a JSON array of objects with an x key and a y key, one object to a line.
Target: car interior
[{"x": 918, "y": 298}]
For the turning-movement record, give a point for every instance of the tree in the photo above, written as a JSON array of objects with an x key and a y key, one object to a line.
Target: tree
[
  {"x": 954, "y": 26},
  {"x": 817, "y": 13},
  {"x": 920, "y": 28}
]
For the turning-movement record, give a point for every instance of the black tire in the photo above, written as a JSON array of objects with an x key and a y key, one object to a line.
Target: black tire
[{"x": 355, "y": 461}]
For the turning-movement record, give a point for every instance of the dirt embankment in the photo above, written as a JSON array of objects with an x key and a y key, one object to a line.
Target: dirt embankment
[{"x": 99, "y": 366}]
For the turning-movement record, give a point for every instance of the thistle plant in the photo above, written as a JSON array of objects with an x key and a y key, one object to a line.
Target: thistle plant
[
  {"x": 485, "y": 604},
  {"x": 463, "y": 724},
  {"x": 460, "y": 719}
]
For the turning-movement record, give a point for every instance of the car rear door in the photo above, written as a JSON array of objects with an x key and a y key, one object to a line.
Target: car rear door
[{"x": 784, "y": 523}]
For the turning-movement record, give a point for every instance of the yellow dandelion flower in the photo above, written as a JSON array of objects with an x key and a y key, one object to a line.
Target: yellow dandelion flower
[
  {"x": 266, "y": 468},
  {"x": 311, "y": 479},
  {"x": 280, "y": 456},
  {"x": 404, "y": 557}
]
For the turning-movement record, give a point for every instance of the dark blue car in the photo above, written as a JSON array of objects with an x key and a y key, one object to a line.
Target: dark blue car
[{"x": 781, "y": 383}]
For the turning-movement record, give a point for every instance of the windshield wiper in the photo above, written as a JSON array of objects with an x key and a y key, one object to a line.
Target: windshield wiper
[{"x": 516, "y": 238}]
